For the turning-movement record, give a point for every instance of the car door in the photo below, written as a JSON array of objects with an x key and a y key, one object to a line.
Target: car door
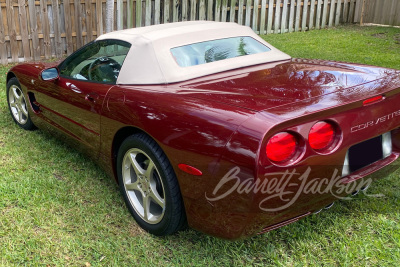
[{"x": 72, "y": 103}]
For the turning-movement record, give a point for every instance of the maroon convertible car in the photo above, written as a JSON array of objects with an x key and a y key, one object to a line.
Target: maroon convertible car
[{"x": 206, "y": 124}]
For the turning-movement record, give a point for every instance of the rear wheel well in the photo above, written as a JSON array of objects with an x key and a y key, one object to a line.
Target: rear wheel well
[{"x": 119, "y": 137}]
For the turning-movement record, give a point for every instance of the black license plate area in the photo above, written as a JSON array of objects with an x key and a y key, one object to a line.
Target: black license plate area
[{"x": 365, "y": 153}]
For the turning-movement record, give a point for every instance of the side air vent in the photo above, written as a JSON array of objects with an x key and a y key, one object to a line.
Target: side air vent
[{"x": 32, "y": 100}]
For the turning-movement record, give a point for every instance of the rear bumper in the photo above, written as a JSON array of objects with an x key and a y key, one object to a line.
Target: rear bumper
[
  {"x": 296, "y": 193},
  {"x": 349, "y": 184}
]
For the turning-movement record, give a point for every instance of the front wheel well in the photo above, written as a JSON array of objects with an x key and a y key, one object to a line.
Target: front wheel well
[{"x": 10, "y": 75}]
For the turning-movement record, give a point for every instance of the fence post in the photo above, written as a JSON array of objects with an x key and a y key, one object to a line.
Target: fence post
[
  {"x": 284, "y": 16},
  {"x": 362, "y": 12},
  {"x": 46, "y": 29},
  {"x": 277, "y": 21},
  {"x": 311, "y": 21},
  {"x": 139, "y": 13},
  {"x": 192, "y": 9},
  {"x": 57, "y": 28},
  {"x": 78, "y": 23},
  {"x": 24, "y": 29},
  {"x": 99, "y": 16},
  {"x": 3, "y": 51},
  {"x": 262, "y": 16},
  {"x": 148, "y": 13},
  {"x": 255, "y": 16},
  {"x": 291, "y": 16},
  {"x": 297, "y": 20},
  {"x": 120, "y": 14},
  {"x": 202, "y": 10},
  {"x": 210, "y": 5},
  {"x": 175, "y": 10},
  {"x": 233, "y": 11}
]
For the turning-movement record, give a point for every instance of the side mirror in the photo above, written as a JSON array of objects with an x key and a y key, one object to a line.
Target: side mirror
[{"x": 49, "y": 74}]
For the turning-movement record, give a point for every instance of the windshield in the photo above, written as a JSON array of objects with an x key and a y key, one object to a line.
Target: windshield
[{"x": 215, "y": 50}]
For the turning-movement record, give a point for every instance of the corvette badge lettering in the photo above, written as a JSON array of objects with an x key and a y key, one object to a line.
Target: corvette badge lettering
[{"x": 379, "y": 120}]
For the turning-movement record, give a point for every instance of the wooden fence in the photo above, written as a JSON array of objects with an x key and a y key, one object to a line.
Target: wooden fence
[
  {"x": 386, "y": 12},
  {"x": 31, "y": 30}
]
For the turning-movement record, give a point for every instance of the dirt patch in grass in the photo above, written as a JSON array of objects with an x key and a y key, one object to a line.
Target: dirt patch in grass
[
  {"x": 7, "y": 209},
  {"x": 397, "y": 38},
  {"x": 380, "y": 35},
  {"x": 5, "y": 160},
  {"x": 58, "y": 177},
  {"x": 135, "y": 230}
]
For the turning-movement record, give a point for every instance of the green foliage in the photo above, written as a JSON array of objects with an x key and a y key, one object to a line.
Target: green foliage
[{"x": 58, "y": 208}]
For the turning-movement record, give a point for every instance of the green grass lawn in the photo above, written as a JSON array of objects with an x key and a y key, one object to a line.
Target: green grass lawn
[{"x": 58, "y": 208}]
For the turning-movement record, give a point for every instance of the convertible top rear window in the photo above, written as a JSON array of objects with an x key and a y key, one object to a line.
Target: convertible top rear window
[{"x": 215, "y": 50}]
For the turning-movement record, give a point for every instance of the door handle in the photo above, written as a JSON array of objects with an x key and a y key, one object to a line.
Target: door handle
[{"x": 92, "y": 97}]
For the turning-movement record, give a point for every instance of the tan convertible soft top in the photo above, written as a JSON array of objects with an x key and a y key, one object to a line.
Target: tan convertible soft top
[{"x": 149, "y": 61}]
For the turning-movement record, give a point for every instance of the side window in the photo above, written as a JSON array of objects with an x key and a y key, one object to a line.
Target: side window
[{"x": 99, "y": 61}]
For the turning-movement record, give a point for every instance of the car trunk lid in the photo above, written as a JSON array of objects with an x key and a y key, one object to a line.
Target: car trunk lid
[{"x": 290, "y": 83}]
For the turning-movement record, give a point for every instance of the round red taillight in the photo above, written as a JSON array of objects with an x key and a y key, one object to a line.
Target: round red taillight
[
  {"x": 321, "y": 135},
  {"x": 281, "y": 147}
]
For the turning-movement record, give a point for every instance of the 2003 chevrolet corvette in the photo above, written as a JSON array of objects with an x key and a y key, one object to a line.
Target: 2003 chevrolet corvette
[{"x": 206, "y": 124}]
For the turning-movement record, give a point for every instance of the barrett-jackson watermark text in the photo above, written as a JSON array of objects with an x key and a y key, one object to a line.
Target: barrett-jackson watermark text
[{"x": 285, "y": 186}]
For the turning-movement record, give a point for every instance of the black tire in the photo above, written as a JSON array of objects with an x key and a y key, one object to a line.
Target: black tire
[
  {"x": 152, "y": 184},
  {"x": 18, "y": 105}
]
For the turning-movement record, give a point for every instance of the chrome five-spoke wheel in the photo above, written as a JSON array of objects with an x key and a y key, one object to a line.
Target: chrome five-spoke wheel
[
  {"x": 143, "y": 185},
  {"x": 18, "y": 105}
]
